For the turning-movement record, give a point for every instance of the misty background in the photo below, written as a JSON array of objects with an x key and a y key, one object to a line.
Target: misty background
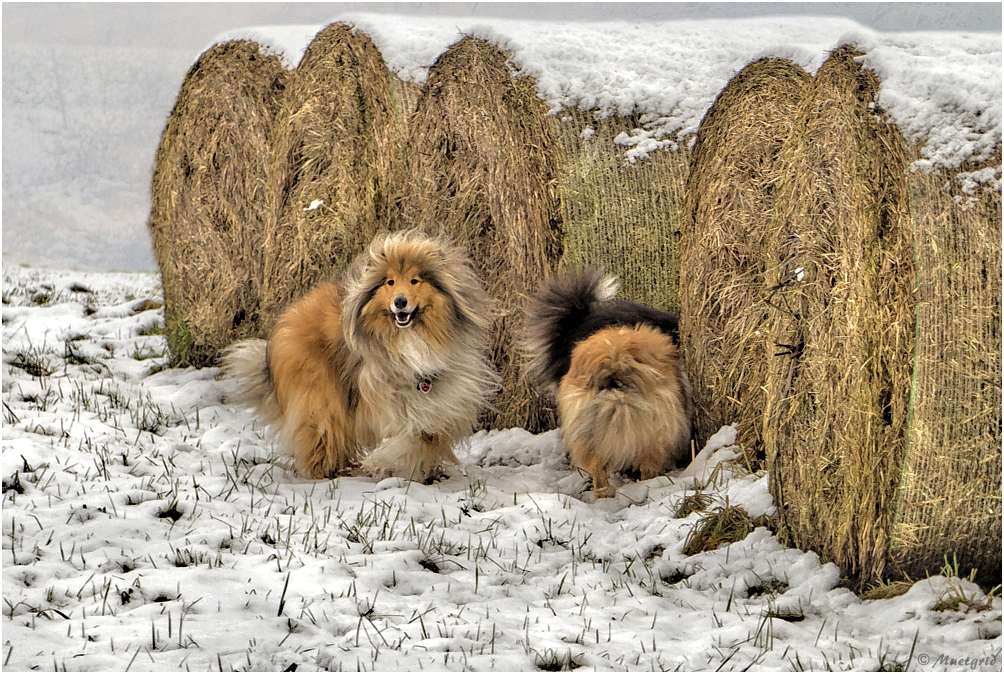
[{"x": 87, "y": 89}]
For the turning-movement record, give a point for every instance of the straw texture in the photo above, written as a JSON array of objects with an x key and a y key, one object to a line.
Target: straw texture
[
  {"x": 949, "y": 498},
  {"x": 841, "y": 286},
  {"x": 621, "y": 216},
  {"x": 337, "y": 137},
  {"x": 724, "y": 250},
  {"x": 208, "y": 194},
  {"x": 482, "y": 169}
]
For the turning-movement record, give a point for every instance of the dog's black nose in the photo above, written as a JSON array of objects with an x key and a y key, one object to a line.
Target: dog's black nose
[
  {"x": 609, "y": 383},
  {"x": 400, "y": 302}
]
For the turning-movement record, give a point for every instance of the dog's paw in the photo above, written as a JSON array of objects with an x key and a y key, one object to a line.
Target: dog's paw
[
  {"x": 604, "y": 492},
  {"x": 395, "y": 457},
  {"x": 436, "y": 474},
  {"x": 409, "y": 458},
  {"x": 376, "y": 468}
]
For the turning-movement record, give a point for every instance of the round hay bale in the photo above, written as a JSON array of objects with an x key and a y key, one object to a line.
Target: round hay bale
[
  {"x": 949, "y": 497},
  {"x": 723, "y": 251},
  {"x": 208, "y": 198},
  {"x": 337, "y": 137},
  {"x": 619, "y": 215},
  {"x": 840, "y": 284},
  {"x": 482, "y": 169}
]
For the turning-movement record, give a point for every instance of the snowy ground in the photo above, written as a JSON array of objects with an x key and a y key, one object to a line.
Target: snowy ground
[{"x": 147, "y": 526}]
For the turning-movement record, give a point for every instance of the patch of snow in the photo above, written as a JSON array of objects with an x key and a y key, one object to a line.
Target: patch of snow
[
  {"x": 288, "y": 43},
  {"x": 989, "y": 177},
  {"x": 943, "y": 89}
]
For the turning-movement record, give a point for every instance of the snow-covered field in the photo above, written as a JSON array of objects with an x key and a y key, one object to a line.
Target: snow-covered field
[{"x": 148, "y": 526}]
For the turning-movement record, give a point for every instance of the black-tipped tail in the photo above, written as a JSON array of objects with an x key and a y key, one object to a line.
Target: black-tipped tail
[
  {"x": 555, "y": 320},
  {"x": 570, "y": 308}
]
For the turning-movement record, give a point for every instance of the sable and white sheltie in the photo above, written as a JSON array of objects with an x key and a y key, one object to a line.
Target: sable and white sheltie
[
  {"x": 388, "y": 368},
  {"x": 624, "y": 401}
]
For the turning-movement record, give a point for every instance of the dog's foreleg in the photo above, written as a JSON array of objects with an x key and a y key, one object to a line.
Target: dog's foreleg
[
  {"x": 601, "y": 485},
  {"x": 394, "y": 456},
  {"x": 590, "y": 461},
  {"x": 651, "y": 464},
  {"x": 437, "y": 451},
  {"x": 408, "y": 456}
]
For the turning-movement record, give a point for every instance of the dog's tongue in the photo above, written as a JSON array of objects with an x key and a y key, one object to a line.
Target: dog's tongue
[{"x": 403, "y": 317}]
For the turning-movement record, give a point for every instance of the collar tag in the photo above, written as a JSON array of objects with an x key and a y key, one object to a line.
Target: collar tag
[{"x": 424, "y": 385}]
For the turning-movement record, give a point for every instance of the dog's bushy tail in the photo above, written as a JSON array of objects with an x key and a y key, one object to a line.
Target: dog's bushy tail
[
  {"x": 247, "y": 363},
  {"x": 555, "y": 320}
]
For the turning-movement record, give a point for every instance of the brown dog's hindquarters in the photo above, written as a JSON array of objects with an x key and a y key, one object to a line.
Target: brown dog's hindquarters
[{"x": 624, "y": 401}]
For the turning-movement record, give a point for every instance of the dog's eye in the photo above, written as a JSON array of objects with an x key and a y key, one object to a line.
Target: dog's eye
[
  {"x": 414, "y": 281},
  {"x": 390, "y": 282}
]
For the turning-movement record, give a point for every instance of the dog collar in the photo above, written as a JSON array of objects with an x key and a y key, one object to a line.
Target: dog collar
[{"x": 424, "y": 385}]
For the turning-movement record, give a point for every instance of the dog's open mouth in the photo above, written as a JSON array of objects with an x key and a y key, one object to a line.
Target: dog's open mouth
[{"x": 404, "y": 319}]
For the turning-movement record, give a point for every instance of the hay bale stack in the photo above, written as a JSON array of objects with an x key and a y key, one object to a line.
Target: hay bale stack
[
  {"x": 624, "y": 217},
  {"x": 949, "y": 498},
  {"x": 840, "y": 282},
  {"x": 482, "y": 168},
  {"x": 208, "y": 198},
  {"x": 337, "y": 137},
  {"x": 723, "y": 251}
]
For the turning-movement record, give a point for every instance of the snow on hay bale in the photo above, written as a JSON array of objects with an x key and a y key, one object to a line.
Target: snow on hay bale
[
  {"x": 482, "y": 169},
  {"x": 723, "y": 252},
  {"x": 840, "y": 287},
  {"x": 208, "y": 198},
  {"x": 621, "y": 215},
  {"x": 949, "y": 493},
  {"x": 336, "y": 139}
]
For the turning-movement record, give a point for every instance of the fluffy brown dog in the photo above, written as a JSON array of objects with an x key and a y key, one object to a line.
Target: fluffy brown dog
[
  {"x": 624, "y": 400},
  {"x": 388, "y": 367}
]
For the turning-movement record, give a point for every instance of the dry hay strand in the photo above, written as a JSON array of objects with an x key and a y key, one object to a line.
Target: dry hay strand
[
  {"x": 949, "y": 499},
  {"x": 208, "y": 198},
  {"x": 722, "y": 526},
  {"x": 693, "y": 503},
  {"x": 337, "y": 138},
  {"x": 405, "y": 95},
  {"x": 482, "y": 170},
  {"x": 842, "y": 326},
  {"x": 723, "y": 251},
  {"x": 619, "y": 215},
  {"x": 886, "y": 590}
]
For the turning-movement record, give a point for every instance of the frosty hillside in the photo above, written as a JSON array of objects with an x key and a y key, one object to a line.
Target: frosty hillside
[{"x": 819, "y": 202}]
